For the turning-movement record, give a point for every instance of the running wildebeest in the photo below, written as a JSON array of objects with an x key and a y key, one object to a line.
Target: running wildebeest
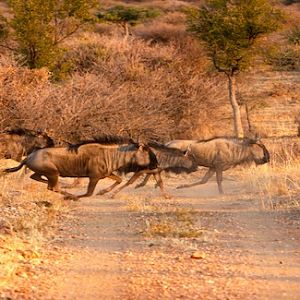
[
  {"x": 168, "y": 160},
  {"x": 181, "y": 145},
  {"x": 95, "y": 159},
  {"x": 221, "y": 154},
  {"x": 18, "y": 142}
]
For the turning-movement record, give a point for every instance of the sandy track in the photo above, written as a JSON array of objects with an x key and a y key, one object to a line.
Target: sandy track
[{"x": 249, "y": 253}]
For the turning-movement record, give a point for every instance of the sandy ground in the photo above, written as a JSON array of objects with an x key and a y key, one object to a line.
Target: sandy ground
[{"x": 245, "y": 252}]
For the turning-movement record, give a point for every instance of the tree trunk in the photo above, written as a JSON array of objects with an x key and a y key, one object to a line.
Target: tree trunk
[
  {"x": 238, "y": 127},
  {"x": 248, "y": 118},
  {"x": 126, "y": 31}
]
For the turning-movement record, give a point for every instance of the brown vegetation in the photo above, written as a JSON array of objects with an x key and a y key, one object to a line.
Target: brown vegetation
[
  {"x": 157, "y": 85},
  {"x": 28, "y": 219},
  {"x": 117, "y": 87}
]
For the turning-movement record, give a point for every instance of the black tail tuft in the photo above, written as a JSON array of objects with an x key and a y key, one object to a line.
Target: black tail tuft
[{"x": 15, "y": 169}]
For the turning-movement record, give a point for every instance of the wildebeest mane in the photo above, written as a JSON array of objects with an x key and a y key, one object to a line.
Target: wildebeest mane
[
  {"x": 165, "y": 149},
  {"x": 103, "y": 140}
]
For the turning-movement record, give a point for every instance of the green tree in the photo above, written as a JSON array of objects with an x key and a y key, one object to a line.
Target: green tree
[
  {"x": 38, "y": 26},
  {"x": 229, "y": 30},
  {"x": 126, "y": 16}
]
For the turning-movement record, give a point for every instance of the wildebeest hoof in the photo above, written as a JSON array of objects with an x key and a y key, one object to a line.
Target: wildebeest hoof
[
  {"x": 102, "y": 192},
  {"x": 71, "y": 197},
  {"x": 181, "y": 186}
]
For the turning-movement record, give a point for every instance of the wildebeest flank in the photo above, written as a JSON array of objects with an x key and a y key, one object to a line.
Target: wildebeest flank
[
  {"x": 18, "y": 142},
  {"x": 95, "y": 159},
  {"x": 221, "y": 154}
]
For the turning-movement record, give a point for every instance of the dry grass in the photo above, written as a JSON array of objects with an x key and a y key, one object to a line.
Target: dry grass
[
  {"x": 164, "y": 219},
  {"x": 28, "y": 219},
  {"x": 175, "y": 223},
  {"x": 276, "y": 184}
]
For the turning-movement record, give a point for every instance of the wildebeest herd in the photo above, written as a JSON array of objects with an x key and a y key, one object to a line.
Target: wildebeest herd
[{"x": 112, "y": 156}]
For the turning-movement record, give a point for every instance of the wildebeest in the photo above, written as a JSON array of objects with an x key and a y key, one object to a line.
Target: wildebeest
[
  {"x": 95, "y": 159},
  {"x": 220, "y": 154},
  {"x": 18, "y": 142},
  {"x": 168, "y": 160}
]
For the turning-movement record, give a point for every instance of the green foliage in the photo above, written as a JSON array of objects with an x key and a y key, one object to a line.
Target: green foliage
[
  {"x": 3, "y": 28},
  {"x": 40, "y": 26},
  {"x": 284, "y": 58},
  {"x": 230, "y": 28},
  {"x": 294, "y": 35},
  {"x": 124, "y": 14}
]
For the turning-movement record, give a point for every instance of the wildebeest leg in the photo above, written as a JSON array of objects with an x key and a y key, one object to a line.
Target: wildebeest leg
[
  {"x": 144, "y": 182},
  {"x": 207, "y": 175},
  {"x": 156, "y": 174},
  {"x": 38, "y": 177},
  {"x": 219, "y": 180},
  {"x": 75, "y": 183},
  {"x": 54, "y": 186},
  {"x": 53, "y": 183},
  {"x": 114, "y": 177},
  {"x": 161, "y": 185},
  {"x": 91, "y": 187},
  {"x": 130, "y": 181}
]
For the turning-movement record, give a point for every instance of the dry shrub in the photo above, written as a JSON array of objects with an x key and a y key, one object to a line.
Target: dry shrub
[
  {"x": 161, "y": 32},
  {"x": 119, "y": 87},
  {"x": 20, "y": 96},
  {"x": 166, "y": 5}
]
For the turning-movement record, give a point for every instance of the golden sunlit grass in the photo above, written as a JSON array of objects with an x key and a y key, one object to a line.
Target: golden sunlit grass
[
  {"x": 277, "y": 186},
  {"x": 164, "y": 219},
  {"x": 278, "y": 183},
  {"x": 177, "y": 223},
  {"x": 28, "y": 215}
]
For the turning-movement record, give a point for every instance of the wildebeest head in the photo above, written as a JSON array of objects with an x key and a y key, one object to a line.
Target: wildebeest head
[
  {"x": 20, "y": 141},
  {"x": 259, "y": 152},
  {"x": 145, "y": 157},
  {"x": 42, "y": 140}
]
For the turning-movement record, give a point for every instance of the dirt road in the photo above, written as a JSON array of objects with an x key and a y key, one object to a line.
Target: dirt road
[{"x": 243, "y": 252}]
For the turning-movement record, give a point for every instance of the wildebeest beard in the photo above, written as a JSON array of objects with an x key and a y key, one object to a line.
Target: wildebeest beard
[{"x": 266, "y": 157}]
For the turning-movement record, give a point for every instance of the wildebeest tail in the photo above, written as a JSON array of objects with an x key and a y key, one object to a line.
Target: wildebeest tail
[{"x": 15, "y": 169}]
